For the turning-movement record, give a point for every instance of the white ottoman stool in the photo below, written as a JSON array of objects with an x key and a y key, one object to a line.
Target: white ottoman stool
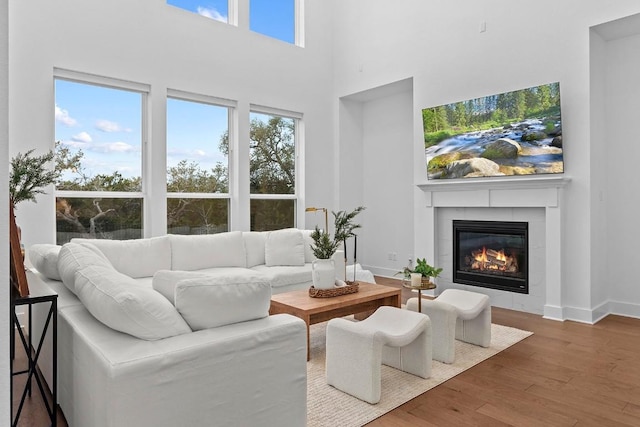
[
  {"x": 391, "y": 336},
  {"x": 456, "y": 314}
]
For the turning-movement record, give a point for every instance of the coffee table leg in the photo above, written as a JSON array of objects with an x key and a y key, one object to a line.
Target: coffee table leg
[{"x": 308, "y": 340}]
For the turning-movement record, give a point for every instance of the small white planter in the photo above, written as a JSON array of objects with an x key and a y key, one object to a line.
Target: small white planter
[{"x": 323, "y": 273}]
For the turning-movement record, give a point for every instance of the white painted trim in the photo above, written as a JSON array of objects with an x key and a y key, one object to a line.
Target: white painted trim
[
  {"x": 299, "y": 22},
  {"x": 110, "y": 82},
  {"x": 496, "y": 183},
  {"x": 273, "y": 111},
  {"x": 624, "y": 309},
  {"x": 553, "y": 312},
  {"x": 201, "y": 98},
  {"x": 198, "y": 196},
  {"x": 273, "y": 196},
  {"x": 102, "y": 194}
]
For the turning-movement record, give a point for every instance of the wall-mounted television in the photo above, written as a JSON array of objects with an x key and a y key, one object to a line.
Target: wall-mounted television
[{"x": 511, "y": 133}]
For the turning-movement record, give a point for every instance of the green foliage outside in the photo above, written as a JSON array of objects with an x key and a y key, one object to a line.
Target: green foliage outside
[
  {"x": 272, "y": 171},
  {"x": 489, "y": 112}
]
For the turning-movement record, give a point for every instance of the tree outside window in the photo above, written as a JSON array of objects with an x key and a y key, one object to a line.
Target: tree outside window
[{"x": 98, "y": 152}]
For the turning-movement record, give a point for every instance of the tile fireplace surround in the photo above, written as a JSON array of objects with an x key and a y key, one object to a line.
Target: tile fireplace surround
[{"x": 535, "y": 200}]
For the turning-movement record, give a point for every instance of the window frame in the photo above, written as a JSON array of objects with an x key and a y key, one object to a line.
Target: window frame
[
  {"x": 298, "y": 150},
  {"x": 117, "y": 84},
  {"x": 231, "y": 114}
]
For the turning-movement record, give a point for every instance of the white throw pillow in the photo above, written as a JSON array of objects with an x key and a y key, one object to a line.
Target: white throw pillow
[
  {"x": 73, "y": 257},
  {"x": 44, "y": 257},
  {"x": 254, "y": 242},
  {"x": 207, "y": 251},
  {"x": 120, "y": 303},
  {"x": 135, "y": 258},
  {"x": 284, "y": 247},
  {"x": 210, "y": 302}
]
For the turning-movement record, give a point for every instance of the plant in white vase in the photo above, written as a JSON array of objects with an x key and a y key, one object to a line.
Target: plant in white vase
[{"x": 324, "y": 247}]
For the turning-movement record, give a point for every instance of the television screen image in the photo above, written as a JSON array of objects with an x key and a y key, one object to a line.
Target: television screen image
[{"x": 511, "y": 133}]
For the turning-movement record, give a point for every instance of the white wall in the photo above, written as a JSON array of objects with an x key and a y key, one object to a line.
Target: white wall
[
  {"x": 5, "y": 379},
  {"x": 620, "y": 158},
  {"x": 149, "y": 42},
  {"x": 439, "y": 44}
]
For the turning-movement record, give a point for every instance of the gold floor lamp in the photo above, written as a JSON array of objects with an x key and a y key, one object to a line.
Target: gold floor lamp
[{"x": 326, "y": 216}]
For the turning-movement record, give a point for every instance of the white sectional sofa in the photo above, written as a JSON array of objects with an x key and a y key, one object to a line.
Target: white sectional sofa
[{"x": 175, "y": 330}]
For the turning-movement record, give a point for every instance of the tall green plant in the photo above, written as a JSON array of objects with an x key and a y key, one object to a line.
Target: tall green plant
[
  {"x": 324, "y": 246},
  {"x": 29, "y": 174}
]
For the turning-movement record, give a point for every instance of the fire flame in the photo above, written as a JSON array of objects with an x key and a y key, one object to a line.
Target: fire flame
[{"x": 484, "y": 262}]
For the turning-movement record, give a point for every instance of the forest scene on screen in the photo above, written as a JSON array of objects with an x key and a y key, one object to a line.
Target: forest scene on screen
[{"x": 511, "y": 133}]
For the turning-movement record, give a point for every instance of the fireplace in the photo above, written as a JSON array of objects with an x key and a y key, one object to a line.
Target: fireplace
[{"x": 491, "y": 254}]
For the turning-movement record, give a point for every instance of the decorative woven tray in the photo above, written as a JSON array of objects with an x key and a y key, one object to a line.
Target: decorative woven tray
[{"x": 351, "y": 288}]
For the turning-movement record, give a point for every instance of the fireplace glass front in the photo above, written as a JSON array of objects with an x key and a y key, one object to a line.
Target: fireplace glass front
[{"x": 491, "y": 254}]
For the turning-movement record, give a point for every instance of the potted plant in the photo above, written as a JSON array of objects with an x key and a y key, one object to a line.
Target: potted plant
[
  {"x": 29, "y": 174},
  {"x": 422, "y": 274},
  {"x": 324, "y": 247}
]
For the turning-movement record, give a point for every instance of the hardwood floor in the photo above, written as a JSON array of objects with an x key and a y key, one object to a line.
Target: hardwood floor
[{"x": 566, "y": 374}]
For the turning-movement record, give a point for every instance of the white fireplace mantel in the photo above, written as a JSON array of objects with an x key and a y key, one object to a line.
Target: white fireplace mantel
[{"x": 512, "y": 192}]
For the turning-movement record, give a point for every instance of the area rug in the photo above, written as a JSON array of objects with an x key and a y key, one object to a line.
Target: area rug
[{"x": 327, "y": 406}]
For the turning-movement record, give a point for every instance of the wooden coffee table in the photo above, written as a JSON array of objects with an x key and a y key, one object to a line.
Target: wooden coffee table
[{"x": 315, "y": 310}]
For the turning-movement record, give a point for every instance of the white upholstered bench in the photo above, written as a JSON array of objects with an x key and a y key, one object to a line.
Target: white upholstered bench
[
  {"x": 391, "y": 336},
  {"x": 456, "y": 314}
]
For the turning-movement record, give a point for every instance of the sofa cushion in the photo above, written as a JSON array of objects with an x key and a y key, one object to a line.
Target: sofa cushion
[
  {"x": 254, "y": 242},
  {"x": 44, "y": 257},
  {"x": 116, "y": 300},
  {"x": 165, "y": 281},
  {"x": 209, "y": 302},
  {"x": 285, "y": 275},
  {"x": 135, "y": 258},
  {"x": 308, "y": 241},
  {"x": 206, "y": 251},
  {"x": 284, "y": 247},
  {"x": 73, "y": 257}
]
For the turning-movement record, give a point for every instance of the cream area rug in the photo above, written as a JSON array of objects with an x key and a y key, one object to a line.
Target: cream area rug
[{"x": 327, "y": 406}]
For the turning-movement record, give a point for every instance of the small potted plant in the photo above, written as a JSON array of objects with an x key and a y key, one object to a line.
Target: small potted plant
[
  {"x": 324, "y": 247},
  {"x": 422, "y": 274}
]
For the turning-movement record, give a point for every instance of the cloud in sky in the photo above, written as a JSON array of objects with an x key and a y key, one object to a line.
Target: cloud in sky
[
  {"x": 212, "y": 13},
  {"x": 109, "y": 126},
  {"x": 82, "y": 137},
  {"x": 101, "y": 147},
  {"x": 63, "y": 117},
  {"x": 114, "y": 147}
]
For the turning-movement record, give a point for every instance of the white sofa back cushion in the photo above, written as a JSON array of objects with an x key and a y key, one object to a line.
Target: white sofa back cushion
[
  {"x": 209, "y": 302},
  {"x": 44, "y": 257},
  {"x": 284, "y": 247},
  {"x": 120, "y": 303},
  {"x": 254, "y": 242},
  {"x": 135, "y": 258},
  {"x": 207, "y": 251},
  {"x": 73, "y": 257}
]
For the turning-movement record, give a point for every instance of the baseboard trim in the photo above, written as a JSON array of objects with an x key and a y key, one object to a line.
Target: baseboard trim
[{"x": 624, "y": 309}]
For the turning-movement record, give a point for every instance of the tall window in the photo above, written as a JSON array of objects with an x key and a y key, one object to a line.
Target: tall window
[
  {"x": 197, "y": 167},
  {"x": 272, "y": 169},
  {"x": 214, "y": 9},
  {"x": 274, "y": 18},
  {"x": 99, "y": 133}
]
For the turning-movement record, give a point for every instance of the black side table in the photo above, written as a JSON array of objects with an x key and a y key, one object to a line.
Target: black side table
[{"x": 39, "y": 293}]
